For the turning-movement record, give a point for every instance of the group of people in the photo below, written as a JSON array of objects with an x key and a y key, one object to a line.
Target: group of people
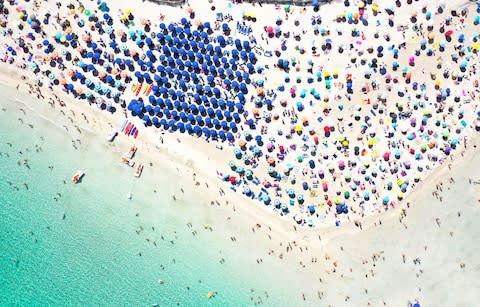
[{"x": 332, "y": 115}]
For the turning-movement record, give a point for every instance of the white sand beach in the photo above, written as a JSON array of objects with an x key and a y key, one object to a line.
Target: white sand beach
[{"x": 421, "y": 249}]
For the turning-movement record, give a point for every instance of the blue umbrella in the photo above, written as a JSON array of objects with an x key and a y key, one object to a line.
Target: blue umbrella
[
  {"x": 197, "y": 130},
  {"x": 208, "y": 122}
]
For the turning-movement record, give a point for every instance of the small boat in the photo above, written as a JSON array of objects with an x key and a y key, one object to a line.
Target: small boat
[
  {"x": 123, "y": 125},
  {"x": 131, "y": 152},
  {"x": 128, "y": 128},
  {"x": 133, "y": 131},
  {"x": 138, "y": 170},
  {"x": 77, "y": 177},
  {"x": 111, "y": 135},
  {"x": 149, "y": 90},
  {"x": 211, "y": 294},
  {"x": 129, "y": 195},
  {"x": 139, "y": 88},
  {"x": 127, "y": 161}
]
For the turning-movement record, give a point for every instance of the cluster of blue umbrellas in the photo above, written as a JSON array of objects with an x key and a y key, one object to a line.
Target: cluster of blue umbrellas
[
  {"x": 177, "y": 61},
  {"x": 192, "y": 77}
]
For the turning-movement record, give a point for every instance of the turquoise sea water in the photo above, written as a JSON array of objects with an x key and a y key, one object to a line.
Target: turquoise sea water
[{"x": 92, "y": 256}]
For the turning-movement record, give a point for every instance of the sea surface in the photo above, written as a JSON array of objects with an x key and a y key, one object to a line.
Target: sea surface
[{"x": 109, "y": 250}]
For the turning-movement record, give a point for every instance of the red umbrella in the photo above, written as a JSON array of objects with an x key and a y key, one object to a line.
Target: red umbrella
[
  {"x": 232, "y": 179},
  {"x": 269, "y": 29}
]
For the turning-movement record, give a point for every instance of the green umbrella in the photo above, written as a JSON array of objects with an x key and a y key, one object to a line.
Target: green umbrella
[{"x": 87, "y": 12}]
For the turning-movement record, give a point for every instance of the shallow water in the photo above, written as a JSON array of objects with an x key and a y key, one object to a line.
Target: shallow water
[{"x": 92, "y": 256}]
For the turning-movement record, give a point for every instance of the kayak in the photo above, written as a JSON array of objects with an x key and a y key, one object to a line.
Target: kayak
[
  {"x": 149, "y": 90},
  {"x": 122, "y": 126},
  {"x": 129, "y": 127},
  {"x": 139, "y": 89},
  {"x": 133, "y": 131}
]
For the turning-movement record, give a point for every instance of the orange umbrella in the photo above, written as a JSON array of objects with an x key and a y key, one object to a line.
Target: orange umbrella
[
  {"x": 260, "y": 91},
  {"x": 242, "y": 143},
  {"x": 63, "y": 81},
  {"x": 79, "y": 48},
  {"x": 189, "y": 10},
  {"x": 47, "y": 58},
  {"x": 68, "y": 30},
  {"x": 133, "y": 52},
  {"x": 79, "y": 91},
  {"x": 120, "y": 32},
  {"x": 124, "y": 74},
  {"x": 271, "y": 160},
  {"x": 69, "y": 72},
  {"x": 101, "y": 74},
  {"x": 114, "y": 72},
  {"x": 85, "y": 37},
  {"x": 255, "y": 111},
  {"x": 55, "y": 54}
]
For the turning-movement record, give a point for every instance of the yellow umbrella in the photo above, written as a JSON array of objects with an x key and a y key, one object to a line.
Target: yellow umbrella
[
  {"x": 298, "y": 128},
  {"x": 372, "y": 142},
  {"x": 127, "y": 11}
]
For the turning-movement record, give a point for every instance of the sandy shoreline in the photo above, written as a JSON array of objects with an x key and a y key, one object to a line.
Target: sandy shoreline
[
  {"x": 325, "y": 251},
  {"x": 362, "y": 201}
]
